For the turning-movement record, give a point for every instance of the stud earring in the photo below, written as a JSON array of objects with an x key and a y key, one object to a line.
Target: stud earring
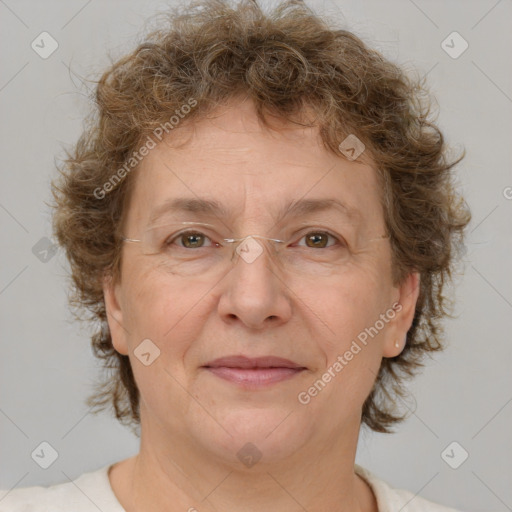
[{"x": 397, "y": 344}]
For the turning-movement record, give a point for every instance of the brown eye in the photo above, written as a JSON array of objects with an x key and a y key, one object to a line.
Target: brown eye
[
  {"x": 191, "y": 240},
  {"x": 318, "y": 239}
]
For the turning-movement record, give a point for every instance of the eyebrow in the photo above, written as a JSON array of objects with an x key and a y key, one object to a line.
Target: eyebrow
[{"x": 291, "y": 209}]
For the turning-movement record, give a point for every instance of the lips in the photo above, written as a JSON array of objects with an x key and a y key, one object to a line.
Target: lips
[
  {"x": 248, "y": 362},
  {"x": 254, "y": 373}
]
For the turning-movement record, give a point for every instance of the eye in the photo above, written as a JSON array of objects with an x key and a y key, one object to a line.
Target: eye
[
  {"x": 319, "y": 239},
  {"x": 189, "y": 240}
]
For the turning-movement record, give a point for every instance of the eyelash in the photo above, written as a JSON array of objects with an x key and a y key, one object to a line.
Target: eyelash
[{"x": 322, "y": 232}]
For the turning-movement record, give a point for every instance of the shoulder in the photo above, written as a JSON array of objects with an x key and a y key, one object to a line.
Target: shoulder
[
  {"x": 89, "y": 492},
  {"x": 391, "y": 500}
]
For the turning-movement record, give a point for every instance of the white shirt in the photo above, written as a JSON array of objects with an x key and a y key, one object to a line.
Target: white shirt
[{"x": 92, "y": 492}]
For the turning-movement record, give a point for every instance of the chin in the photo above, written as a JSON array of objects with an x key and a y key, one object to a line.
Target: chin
[{"x": 255, "y": 432}]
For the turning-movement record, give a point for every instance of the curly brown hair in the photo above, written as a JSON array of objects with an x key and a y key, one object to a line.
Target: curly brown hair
[{"x": 286, "y": 61}]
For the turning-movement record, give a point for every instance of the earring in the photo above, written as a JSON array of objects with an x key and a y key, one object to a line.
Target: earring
[{"x": 397, "y": 344}]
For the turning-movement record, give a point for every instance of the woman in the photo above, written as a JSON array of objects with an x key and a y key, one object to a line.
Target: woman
[{"x": 262, "y": 218}]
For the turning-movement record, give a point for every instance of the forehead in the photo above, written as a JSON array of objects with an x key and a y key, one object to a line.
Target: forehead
[{"x": 232, "y": 167}]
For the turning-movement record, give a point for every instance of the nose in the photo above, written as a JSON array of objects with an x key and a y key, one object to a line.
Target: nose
[{"x": 254, "y": 292}]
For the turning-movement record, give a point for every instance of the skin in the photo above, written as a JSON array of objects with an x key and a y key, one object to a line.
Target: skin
[{"x": 192, "y": 422}]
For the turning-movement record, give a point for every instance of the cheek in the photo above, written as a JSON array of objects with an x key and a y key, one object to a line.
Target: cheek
[
  {"x": 165, "y": 309},
  {"x": 354, "y": 352},
  {"x": 346, "y": 305},
  {"x": 141, "y": 304},
  {"x": 160, "y": 309},
  {"x": 155, "y": 299},
  {"x": 349, "y": 349}
]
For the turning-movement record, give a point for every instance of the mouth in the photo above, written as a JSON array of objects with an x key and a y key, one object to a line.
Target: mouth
[{"x": 253, "y": 373}]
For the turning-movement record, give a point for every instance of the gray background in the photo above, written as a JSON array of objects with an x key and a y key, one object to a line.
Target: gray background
[{"x": 47, "y": 368}]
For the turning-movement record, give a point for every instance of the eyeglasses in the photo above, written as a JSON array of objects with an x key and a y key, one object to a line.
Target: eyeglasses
[{"x": 198, "y": 250}]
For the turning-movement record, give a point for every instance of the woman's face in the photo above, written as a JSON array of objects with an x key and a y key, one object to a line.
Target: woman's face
[{"x": 257, "y": 307}]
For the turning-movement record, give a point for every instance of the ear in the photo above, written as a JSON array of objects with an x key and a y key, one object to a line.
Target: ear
[
  {"x": 111, "y": 293},
  {"x": 405, "y": 307}
]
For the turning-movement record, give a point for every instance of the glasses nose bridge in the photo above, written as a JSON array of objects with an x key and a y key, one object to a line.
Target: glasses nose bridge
[{"x": 249, "y": 248}]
